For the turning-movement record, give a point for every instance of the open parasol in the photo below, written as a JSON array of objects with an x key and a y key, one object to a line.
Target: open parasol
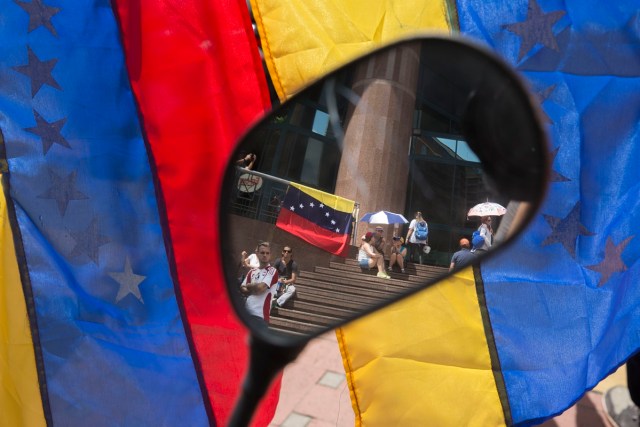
[
  {"x": 487, "y": 209},
  {"x": 383, "y": 217}
]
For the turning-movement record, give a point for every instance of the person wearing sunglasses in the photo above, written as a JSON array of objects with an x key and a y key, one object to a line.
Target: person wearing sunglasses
[
  {"x": 288, "y": 273},
  {"x": 259, "y": 285}
]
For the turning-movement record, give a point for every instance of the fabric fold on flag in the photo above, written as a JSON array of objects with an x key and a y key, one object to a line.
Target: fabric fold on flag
[
  {"x": 321, "y": 219},
  {"x": 108, "y": 334},
  {"x": 304, "y": 39},
  {"x": 564, "y": 301},
  {"x": 20, "y": 396},
  {"x": 560, "y": 308},
  {"x": 434, "y": 358},
  {"x": 196, "y": 73}
]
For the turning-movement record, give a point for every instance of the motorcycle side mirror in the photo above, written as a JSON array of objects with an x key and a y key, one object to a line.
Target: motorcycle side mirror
[{"x": 435, "y": 124}]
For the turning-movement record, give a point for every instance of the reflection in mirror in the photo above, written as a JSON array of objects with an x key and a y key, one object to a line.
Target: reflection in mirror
[{"x": 376, "y": 181}]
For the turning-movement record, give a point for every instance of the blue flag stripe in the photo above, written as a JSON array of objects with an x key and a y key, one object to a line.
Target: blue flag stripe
[
  {"x": 112, "y": 342},
  {"x": 311, "y": 209},
  {"x": 562, "y": 301}
]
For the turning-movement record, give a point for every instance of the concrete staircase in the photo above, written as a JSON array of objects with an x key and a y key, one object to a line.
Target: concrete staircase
[{"x": 328, "y": 295}]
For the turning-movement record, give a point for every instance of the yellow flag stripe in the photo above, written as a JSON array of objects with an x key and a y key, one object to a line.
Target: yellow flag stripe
[
  {"x": 305, "y": 39},
  {"x": 335, "y": 202},
  {"x": 431, "y": 345},
  {"x": 20, "y": 400},
  {"x": 424, "y": 360}
]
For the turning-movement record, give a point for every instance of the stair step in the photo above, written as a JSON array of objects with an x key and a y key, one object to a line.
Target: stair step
[
  {"x": 359, "y": 279},
  {"x": 328, "y": 295},
  {"x": 369, "y": 276},
  {"x": 294, "y": 326},
  {"x": 315, "y": 295},
  {"x": 317, "y": 319},
  {"x": 317, "y": 307},
  {"x": 350, "y": 287},
  {"x": 287, "y": 331},
  {"x": 411, "y": 268}
]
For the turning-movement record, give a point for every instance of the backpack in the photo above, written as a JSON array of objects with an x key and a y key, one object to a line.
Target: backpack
[
  {"x": 477, "y": 241},
  {"x": 422, "y": 231}
]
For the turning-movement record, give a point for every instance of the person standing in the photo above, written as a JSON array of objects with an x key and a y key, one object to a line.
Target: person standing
[
  {"x": 486, "y": 233},
  {"x": 287, "y": 273},
  {"x": 247, "y": 161},
  {"x": 463, "y": 257},
  {"x": 417, "y": 237},
  {"x": 259, "y": 284}
]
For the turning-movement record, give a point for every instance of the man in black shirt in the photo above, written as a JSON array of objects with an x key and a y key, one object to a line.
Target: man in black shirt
[{"x": 288, "y": 273}]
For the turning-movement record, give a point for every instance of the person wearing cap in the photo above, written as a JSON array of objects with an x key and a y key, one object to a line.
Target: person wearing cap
[
  {"x": 378, "y": 240},
  {"x": 369, "y": 258},
  {"x": 463, "y": 257},
  {"x": 398, "y": 253}
]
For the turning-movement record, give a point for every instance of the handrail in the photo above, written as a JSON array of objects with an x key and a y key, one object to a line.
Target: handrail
[{"x": 263, "y": 175}]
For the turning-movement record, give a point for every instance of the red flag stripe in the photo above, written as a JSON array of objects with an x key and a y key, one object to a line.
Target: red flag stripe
[
  {"x": 197, "y": 76},
  {"x": 310, "y": 232}
]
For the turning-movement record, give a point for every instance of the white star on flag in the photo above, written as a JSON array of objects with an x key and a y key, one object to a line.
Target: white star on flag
[
  {"x": 333, "y": 222},
  {"x": 337, "y": 230},
  {"x": 327, "y": 214},
  {"x": 292, "y": 208},
  {"x": 301, "y": 206},
  {"x": 311, "y": 204},
  {"x": 321, "y": 205}
]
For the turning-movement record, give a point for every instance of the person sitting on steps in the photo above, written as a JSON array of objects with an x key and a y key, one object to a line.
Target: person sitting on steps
[
  {"x": 378, "y": 241},
  {"x": 369, "y": 258},
  {"x": 287, "y": 273},
  {"x": 398, "y": 253}
]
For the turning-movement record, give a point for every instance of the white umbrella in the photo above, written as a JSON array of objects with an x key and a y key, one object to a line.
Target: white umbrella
[
  {"x": 487, "y": 209},
  {"x": 383, "y": 217}
]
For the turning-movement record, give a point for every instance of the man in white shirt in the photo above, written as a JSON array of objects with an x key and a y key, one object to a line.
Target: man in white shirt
[{"x": 259, "y": 285}]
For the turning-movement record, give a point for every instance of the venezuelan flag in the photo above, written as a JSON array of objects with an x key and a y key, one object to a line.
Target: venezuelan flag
[
  {"x": 523, "y": 337},
  {"x": 110, "y": 172},
  {"x": 319, "y": 218}
]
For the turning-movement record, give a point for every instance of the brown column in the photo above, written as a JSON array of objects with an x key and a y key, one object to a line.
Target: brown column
[{"x": 374, "y": 167}]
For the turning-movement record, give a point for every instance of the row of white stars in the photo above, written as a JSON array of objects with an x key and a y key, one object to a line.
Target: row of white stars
[{"x": 312, "y": 205}]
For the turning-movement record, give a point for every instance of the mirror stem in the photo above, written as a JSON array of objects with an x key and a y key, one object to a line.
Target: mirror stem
[{"x": 266, "y": 360}]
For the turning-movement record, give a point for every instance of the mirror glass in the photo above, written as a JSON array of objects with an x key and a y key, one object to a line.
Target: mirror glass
[{"x": 430, "y": 140}]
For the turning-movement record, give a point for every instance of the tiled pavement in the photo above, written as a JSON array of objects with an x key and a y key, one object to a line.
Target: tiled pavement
[
  {"x": 314, "y": 389},
  {"x": 315, "y": 393}
]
